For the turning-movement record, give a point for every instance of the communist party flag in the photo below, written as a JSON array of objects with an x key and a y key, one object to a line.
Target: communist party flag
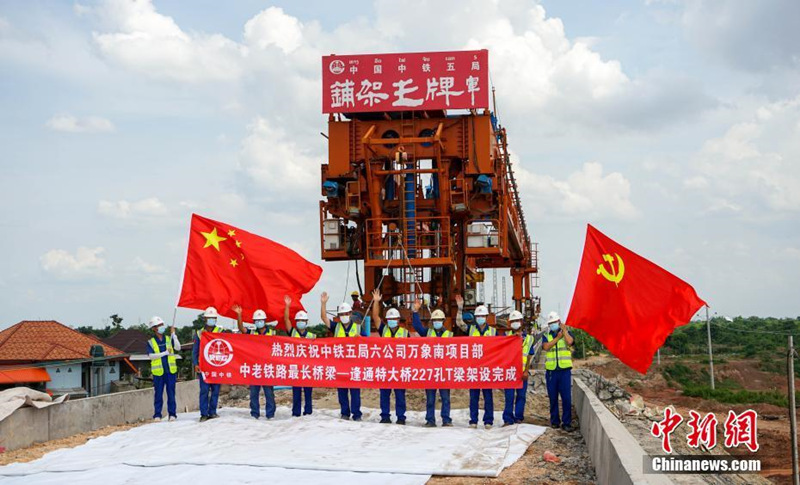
[
  {"x": 628, "y": 303},
  {"x": 226, "y": 266}
]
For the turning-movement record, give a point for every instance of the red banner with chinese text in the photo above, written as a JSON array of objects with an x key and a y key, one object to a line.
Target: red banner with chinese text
[
  {"x": 405, "y": 82},
  {"x": 363, "y": 362}
]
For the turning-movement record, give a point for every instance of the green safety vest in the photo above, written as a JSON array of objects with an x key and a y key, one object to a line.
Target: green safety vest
[
  {"x": 558, "y": 354},
  {"x": 216, "y": 330},
  {"x": 296, "y": 333},
  {"x": 401, "y": 332},
  {"x": 155, "y": 364},
  {"x": 270, "y": 331},
  {"x": 446, "y": 333},
  {"x": 527, "y": 343},
  {"x": 355, "y": 330},
  {"x": 474, "y": 332}
]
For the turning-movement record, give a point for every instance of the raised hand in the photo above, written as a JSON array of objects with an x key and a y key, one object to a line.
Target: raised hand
[
  {"x": 287, "y": 299},
  {"x": 237, "y": 309},
  {"x": 417, "y": 305},
  {"x": 459, "y": 300},
  {"x": 324, "y": 297},
  {"x": 376, "y": 295}
]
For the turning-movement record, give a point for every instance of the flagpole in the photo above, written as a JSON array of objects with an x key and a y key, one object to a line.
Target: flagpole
[{"x": 710, "y": 353}]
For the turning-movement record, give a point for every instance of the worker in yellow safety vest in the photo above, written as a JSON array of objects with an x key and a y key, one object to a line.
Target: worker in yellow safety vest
[
  {"x": 514, "y": 409},
  {"x": 390, "y": 329},
  {"x": 480, "y": 328},
  {"x": 342, "y": 326},
  {"x": 163, "y": 366},
  {"x": 558, "y": 366},
  {"x": 300, "y": 330}
]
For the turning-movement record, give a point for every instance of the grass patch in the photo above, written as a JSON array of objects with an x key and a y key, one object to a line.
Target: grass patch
[{"x": 739, "y": 396}]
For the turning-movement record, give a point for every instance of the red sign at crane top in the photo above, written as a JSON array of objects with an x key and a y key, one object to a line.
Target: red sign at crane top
[{"x": 405, "y": 82}]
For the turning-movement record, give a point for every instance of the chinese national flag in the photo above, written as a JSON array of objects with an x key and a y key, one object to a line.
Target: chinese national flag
[
  {"x": 226, "y": 266},
  {"x": 628, "y": 303}
]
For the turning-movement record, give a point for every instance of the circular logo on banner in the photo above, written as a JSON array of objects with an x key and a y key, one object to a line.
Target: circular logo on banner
[
  {"x": 336, "y": 67},
  {"x": 218, "y": 352}
]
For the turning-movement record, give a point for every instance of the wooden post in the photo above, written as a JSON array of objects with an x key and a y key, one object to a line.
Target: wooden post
[
  {"x": 792, "y": 411},
  {"x": 710, "y": 354}
]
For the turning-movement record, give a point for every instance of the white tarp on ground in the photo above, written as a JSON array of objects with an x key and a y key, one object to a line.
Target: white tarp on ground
[
  {"x": 320, "y": 448},
  {"x": 16, "y": 397}
]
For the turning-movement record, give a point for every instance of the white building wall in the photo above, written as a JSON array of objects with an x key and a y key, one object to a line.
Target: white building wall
[{"x": 64, "y": 376}]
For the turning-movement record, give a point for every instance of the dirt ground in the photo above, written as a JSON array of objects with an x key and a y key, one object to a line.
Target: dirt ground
[{"x": 774, "y": 437}]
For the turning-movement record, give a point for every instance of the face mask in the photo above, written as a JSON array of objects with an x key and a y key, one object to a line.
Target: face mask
[
  {"x": 273, "y": 324},
  {"x": 161, "y": 329},
  {"x": 392, "y": 323},
  {"x": 480, "y": 320},
  {"x": 301, "y": 324},
  {"x": 554, "y": 327},
  {"x": 344, "y": 319},
  {"x": 516, "y": 325},
  {"x": 211, "y": 322},
  {"x": 438, "y": 324},
  {"x": 260, "y": 323}
]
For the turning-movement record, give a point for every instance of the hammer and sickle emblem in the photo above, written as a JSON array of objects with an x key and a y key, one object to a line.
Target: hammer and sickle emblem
[{"x": 617, "y": 273}]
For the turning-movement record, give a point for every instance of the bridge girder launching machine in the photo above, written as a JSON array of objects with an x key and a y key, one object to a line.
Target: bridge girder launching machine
[{"x": 427, "y": 201}]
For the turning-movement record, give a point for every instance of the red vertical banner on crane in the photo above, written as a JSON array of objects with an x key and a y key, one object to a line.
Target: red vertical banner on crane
[{"x": 405, "y": 82}]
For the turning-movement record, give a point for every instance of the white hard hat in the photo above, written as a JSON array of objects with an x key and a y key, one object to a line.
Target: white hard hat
[
  {"x": 515, "y": 315},
  {"x": 437, "y": 315},
  {"x": 344, "y": 307},
  {"x": 301, "y": 315},
  {"x": 259, "y": 315},
  {"x": 392, "y": 313},
  {"x": 211, "y": 312},
  {"x": 553, "y": 317},
  {"x": 156, "y": 321},
  {"x": 481, "y": 311}
]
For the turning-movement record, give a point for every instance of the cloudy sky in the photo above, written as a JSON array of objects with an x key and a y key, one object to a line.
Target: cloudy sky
[{"x": 672, "y": 126}]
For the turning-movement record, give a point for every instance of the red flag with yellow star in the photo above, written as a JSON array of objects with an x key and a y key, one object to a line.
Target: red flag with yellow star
[
  {"x": 226, "y": 266},
  {"x": 628, "y": 303}
]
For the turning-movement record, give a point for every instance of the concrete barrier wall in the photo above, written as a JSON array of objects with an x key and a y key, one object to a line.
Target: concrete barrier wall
[
  {"x": 27, "y": 426},
  {"x": 615, "y": 453}
]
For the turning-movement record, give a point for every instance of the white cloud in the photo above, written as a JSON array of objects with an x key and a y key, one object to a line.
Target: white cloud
[
  {"x": 585, "y": 194},
  {"x": 85, "y": 263},
  {"x": 146, "y": 208},
  {"x": 752, "y": 167},
  {"x": 733, "y": 31},
  {"x": 71, "y": 124},
  {"x": 141, "y": 266},
  {"x": 537, "y": 69},
  {"x": 153, "y": 44},
  {"x": 276, "y": 163},
  {"x": 273, "y": 27}
]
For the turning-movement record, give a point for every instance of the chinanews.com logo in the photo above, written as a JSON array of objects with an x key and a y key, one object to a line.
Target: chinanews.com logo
[
  {"x": 336, "y": 66},
  {"x": 218, "y": 352}
]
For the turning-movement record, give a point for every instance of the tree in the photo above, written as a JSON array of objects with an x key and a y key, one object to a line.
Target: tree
[{"x": 116, "y": 321}]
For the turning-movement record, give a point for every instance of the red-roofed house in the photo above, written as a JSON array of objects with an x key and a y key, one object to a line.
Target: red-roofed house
[{"x": 75, "y": 363}]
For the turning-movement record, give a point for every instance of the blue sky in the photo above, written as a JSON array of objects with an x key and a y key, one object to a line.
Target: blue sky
[{"x": 672, "y": 126}]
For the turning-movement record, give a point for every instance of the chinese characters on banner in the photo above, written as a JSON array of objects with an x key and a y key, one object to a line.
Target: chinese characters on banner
[
  {"x": 739, "y": 429},
  {"x": 414, "y": 362},
  {"x": 404, "y": 82}
]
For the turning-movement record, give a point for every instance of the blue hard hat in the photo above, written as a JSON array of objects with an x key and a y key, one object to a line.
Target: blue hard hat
[{"x": 467, "y": 316}]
